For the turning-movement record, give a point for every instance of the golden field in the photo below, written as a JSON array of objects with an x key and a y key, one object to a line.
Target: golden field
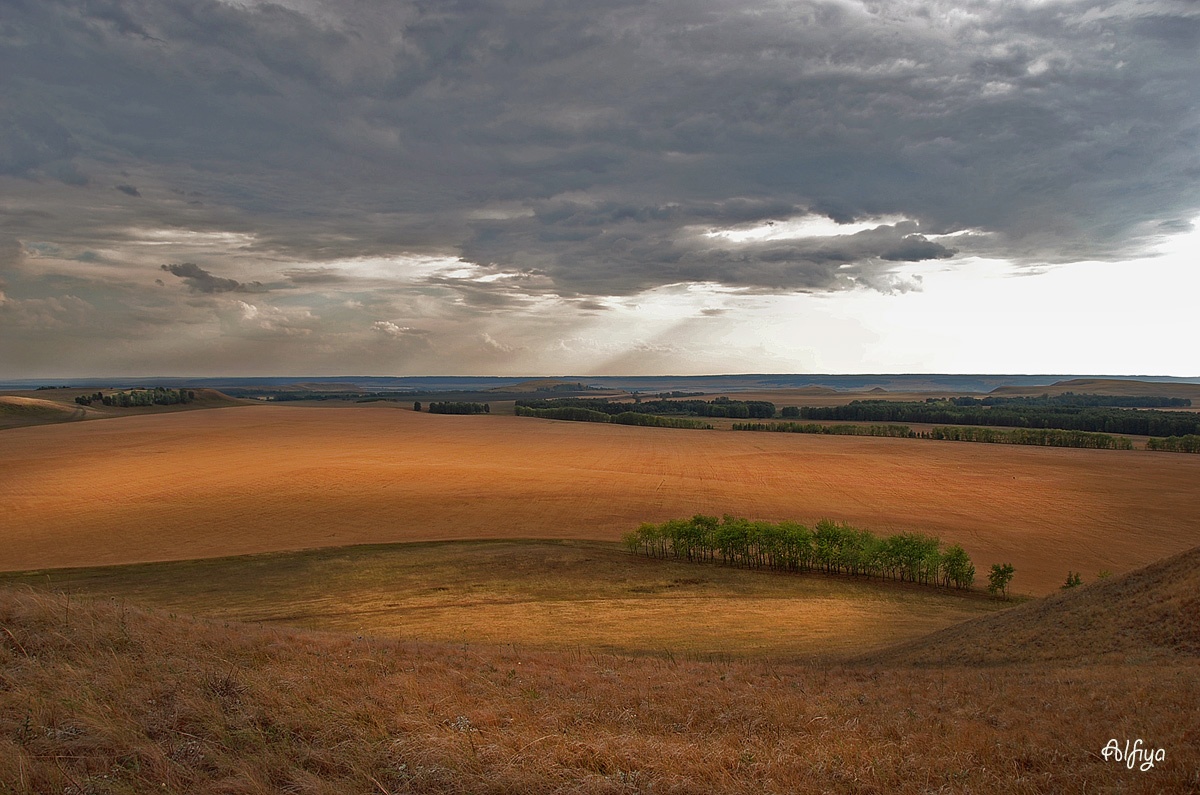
[
  {"x": 543, "y": 594},
  {"x": 100, "y": 697},
  {"x": 195, "y": 484}
]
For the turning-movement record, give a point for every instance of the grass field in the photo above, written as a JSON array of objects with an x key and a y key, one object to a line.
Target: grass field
[
  {"x": 102, "y": 697},
  {"x": 270, "y": 478},
  {"x": 535, "y": 594}
]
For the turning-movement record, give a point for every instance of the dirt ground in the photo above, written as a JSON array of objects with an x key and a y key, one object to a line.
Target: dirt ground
[{"x": 262, "y": 478}]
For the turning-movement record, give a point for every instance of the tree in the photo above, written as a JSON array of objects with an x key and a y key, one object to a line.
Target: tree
[
  {"x": 416, "y": 405},
  {"x": 1074, "y": 579},
  {"x": 957, "y": 569},
  {"x": 999, "y": 578}
]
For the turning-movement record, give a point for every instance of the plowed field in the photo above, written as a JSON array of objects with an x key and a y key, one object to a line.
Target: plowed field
[{"x": 262, "y": 478}]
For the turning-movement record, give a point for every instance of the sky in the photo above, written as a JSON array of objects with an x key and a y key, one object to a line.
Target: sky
[{"x": 384, "y": 187}]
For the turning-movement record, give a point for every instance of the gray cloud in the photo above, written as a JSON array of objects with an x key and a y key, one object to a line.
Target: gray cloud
[
  {"x": 201, "y": 281},
  {"x": 315, "y": 276},
  {"x": 580, "y": 151}
]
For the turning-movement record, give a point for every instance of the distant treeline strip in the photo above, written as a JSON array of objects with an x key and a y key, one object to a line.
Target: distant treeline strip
[
  {"x": 1040, "y": 437},
  {"x": 720, "y": 407},
  {"x": 891, "y": 431},
  {"x": 830, "y": 547},
  {"x": 1175, "y": 444},
  {"x": 573, "y": 414},
  {"x": 1031, "y": 436},
  {"x": 1148, "y": 422},
  {"x": 459, "y": 407}
]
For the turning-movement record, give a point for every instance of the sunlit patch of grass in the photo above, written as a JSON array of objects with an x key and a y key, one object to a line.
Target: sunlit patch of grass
[{"x": 535, "y": 593}]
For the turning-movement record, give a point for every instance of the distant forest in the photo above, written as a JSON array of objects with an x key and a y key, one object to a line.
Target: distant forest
[
  {"x": 1096, "y": 419},
  {"x": 1041, "y": 437},
  {"x": 575, "y": 414},
  {"x": 457, "y": 407},
  {"x": 720, "y": 407}
]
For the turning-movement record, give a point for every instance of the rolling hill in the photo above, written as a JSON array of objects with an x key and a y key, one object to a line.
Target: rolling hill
[{"x": 1151, "y": 613}]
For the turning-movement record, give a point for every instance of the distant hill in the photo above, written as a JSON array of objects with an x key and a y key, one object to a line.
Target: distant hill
[
  {"x": 1104, "y": 386},
  {"x": 543, "y": 385},
  {"x": 59, "y": 405},
  {"x": 1152, "y": 613},
  {"x": 16, "y": 411}
]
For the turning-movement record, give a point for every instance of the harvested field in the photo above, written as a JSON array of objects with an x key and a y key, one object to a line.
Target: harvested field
[
  {"x": 268, "y": 478},
  {"x": 542, "y": 594}
]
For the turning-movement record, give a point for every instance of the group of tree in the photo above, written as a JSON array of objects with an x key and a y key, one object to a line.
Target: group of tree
[
  {"x": 891, "y": 431},
  {"x": 456, "y": 407},
  {"x": 830, "y": 547},
  {"x": 1189, "y": 443},
  {"x": 1096, "y": 419},
  {"x": 718, "y": 407},
  {"x": 576, "y": 414},
  {"x": 158, "y": 396},
  {"x": 1030, "y": 436}
]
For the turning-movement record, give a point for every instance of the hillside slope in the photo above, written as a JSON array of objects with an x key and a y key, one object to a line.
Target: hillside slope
[
  {"x": 1105, "y": 386},
  {"x": 1152, "y": 613},
  {"x": 98, "y": 697}
]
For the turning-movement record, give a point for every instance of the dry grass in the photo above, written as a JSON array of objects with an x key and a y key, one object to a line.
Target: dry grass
[
  {"x": 263, "y": 478},
  {"x": 101, "y": 698},
  {"x": 42, "y": 407},
  {"x": 1147, "y": 614},
  {"x": 1107, "y": 386},
  {"x": 543, "y": 594},
  {"x": 17, "y": 411}
]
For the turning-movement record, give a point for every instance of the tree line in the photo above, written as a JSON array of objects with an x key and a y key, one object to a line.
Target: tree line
[
  {"x": 1146, "y": 422},
  {"x": 456, "y": 407},
  {"x": 1040, "y": 437},
  {"x": 158, "y": 396},
  {"x": 959, "y": 433},
  {"x": 891, "y": 431},
  {"x": 1176, "y": 444},
  {"x": 830, "y": 547},
  {"x": 718, "y": 407},
  {"x": 576, "y": 414}
]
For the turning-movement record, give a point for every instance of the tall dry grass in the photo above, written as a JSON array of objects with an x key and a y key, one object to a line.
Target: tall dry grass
[{"x": 104, "y": 698}]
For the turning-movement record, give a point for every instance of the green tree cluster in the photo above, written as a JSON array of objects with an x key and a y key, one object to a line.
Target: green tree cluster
[
  {"x": 1030, "y": 436},
  {"x": 719, "y": 407},
  {"x": 157, "y": 396},
  {"x": 576, "y": 414},
  {"x": 830, "y": 547},
  {"x": 1189, "y": 443},
  {"x": 1094, "y": 419},
  {"x": 892, "y": 431},
  {"x": 999, "y": 578},
  {"x": 458, "y": 407}
]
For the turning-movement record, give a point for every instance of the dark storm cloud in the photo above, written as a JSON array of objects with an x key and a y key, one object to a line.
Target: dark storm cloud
[
  {"x": 201, "y": 281},
  {"x": 129, "y": 190},
  {"x": 594, "y": 143}
]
